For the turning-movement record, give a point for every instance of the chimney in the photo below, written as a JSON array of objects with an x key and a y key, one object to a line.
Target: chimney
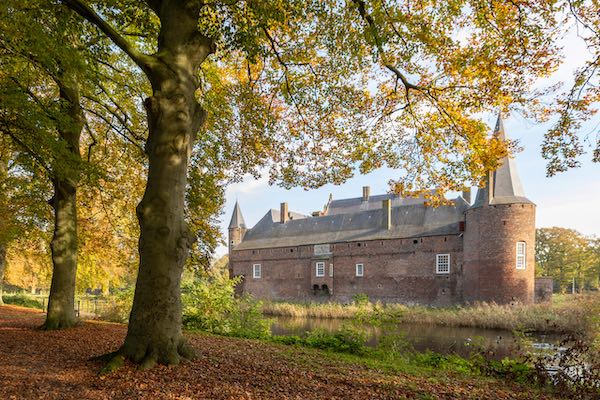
[
  {"x": 366, "y": 193},
  {"x": 466, "y": 194},
  {"x": 283, "y": 213},
  {"x": 386, "y": 205}
]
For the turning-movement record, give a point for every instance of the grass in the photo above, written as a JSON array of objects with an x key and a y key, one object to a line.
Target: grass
[{"x": 566, "y": 314}]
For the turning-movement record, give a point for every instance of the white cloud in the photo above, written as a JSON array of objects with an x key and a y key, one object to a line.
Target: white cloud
[{"x": 248, "y": 185}]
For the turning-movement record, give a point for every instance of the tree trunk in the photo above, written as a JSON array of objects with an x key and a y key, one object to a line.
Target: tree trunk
[
  {"x": 2, "y": 265},
  {"x": 5, "y": 237},
  {"x": 61, "y": 301},
  {"x": 174, "y": 118}
]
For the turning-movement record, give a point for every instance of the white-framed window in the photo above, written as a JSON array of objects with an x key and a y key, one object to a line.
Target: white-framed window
[
  {"x": 360, "y": 270},
  {"x": 442, "y": 263},
  {"x": 521, "y": 255},
  {"x": 330, "y": 270},
  {"x": 256, "y": 271},
  {"x": 320, "y": 269}
]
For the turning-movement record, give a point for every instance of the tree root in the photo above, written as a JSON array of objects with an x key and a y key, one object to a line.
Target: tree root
[
  {"x": 115, "y": 363},
  {"x": 147, "y": 359},
  {"x": 53, "y": 324}
]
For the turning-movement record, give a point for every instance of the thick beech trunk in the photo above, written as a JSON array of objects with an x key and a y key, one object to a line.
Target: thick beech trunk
[
  {"x": 174, "y": 118},
  {"x": 3, "y": 207},
  {"x": 2, "y": 265},
  {"x": 61, "y": 302}
]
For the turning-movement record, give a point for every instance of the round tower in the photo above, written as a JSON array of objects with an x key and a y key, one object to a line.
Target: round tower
[{"x": 499, "y": 239}]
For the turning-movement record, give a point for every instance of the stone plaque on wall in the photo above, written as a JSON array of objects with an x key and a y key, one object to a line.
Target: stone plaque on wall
[{"x": 322, "y": 249}]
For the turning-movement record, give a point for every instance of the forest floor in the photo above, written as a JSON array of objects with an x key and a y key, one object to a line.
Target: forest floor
[{"x": 36, "y": 364}]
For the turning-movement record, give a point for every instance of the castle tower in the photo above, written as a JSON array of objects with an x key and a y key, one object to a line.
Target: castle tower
[
  {"x": 237, "y": 227},
  {"x": 499, "y": 239}
]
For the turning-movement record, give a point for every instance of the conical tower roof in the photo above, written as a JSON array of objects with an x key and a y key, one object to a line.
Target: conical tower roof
[
  {"x": 503, "y": 186},
  {"x": 237, "y": 219}
]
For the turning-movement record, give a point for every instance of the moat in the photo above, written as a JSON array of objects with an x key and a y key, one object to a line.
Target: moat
[{"x": 463, "y": 341}]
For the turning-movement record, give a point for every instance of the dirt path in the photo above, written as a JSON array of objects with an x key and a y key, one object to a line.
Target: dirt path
[{"x": 55, "y": 365}]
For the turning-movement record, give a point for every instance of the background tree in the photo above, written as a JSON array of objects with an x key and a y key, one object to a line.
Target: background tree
[
  {"x": 309, "y": 91},
  {"x": 50, "y": 82},
  {"x": 565, "y": 254},
  {"x": 41, "y": 112},
  {"x": 23, "y": 208}
]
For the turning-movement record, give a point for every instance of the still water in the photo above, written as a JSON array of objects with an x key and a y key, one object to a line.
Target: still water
[{"x": 441, "y": 339}]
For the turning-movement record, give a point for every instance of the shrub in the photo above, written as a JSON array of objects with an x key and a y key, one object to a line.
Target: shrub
[
  {"x": 210, "y": 304},
  {"x": 346, "y": 340},
  {"x": 23, "y": 300},
  {"x": 513, "y": 369}
]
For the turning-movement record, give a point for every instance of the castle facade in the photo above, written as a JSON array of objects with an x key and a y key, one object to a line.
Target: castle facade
[{"x": 394, "y": 249}]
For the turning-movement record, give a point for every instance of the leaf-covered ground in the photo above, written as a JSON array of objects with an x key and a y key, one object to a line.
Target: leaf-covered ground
[{"x": 56, "y": 365}]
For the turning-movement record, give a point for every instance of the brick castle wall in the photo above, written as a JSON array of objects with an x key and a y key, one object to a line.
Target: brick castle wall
[
  {"x": 395, "y": 270},
  {"x": 490, "y": 272}
]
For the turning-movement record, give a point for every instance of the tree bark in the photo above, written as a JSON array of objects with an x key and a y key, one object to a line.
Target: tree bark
[
  {"x": 2, "y": 265},
  {"x": 4, "y": 235},
  {"x": 61, "y": 302},
  {"x": 174, "y": 118}
]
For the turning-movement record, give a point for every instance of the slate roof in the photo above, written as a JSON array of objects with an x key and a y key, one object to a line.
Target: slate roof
[
  {"x": 410, "y": 220},
  {"x": 237, "y": 219},
  {"x": 506, "y": 185},
  {"x": 357, "y": 204}
]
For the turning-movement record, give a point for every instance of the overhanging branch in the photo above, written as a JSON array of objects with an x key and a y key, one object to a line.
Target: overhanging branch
[{"x": 144, "y": 61}]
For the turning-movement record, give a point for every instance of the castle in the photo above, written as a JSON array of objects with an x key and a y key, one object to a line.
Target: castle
[{"x": 394, "y": 249}]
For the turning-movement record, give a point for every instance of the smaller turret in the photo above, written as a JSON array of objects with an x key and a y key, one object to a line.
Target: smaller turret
[{"x": 237, "y": 227}]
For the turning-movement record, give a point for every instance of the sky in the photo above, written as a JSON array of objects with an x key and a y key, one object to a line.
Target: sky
[{"x": 570, "y": 199}]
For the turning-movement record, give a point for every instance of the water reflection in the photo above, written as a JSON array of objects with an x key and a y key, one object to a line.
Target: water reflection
[{"x": 442, "y": 339}]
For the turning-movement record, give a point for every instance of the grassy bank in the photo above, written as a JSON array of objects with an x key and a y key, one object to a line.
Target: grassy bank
[{"x": 566, "y": 314}]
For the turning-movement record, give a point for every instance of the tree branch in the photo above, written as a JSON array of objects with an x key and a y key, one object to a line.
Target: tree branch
[
  {"x": 362, "y": 10},
  {"x": 7, "y": 131},
  {"x": 144, "y": 61}
]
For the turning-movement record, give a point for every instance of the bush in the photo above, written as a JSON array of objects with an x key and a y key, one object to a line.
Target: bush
[
  {"x": 346, "y": 340},
  {"x": 513, "y": 369},
  {"x": 210, "y": 304},
  {"x": 23, "y": 300}
]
